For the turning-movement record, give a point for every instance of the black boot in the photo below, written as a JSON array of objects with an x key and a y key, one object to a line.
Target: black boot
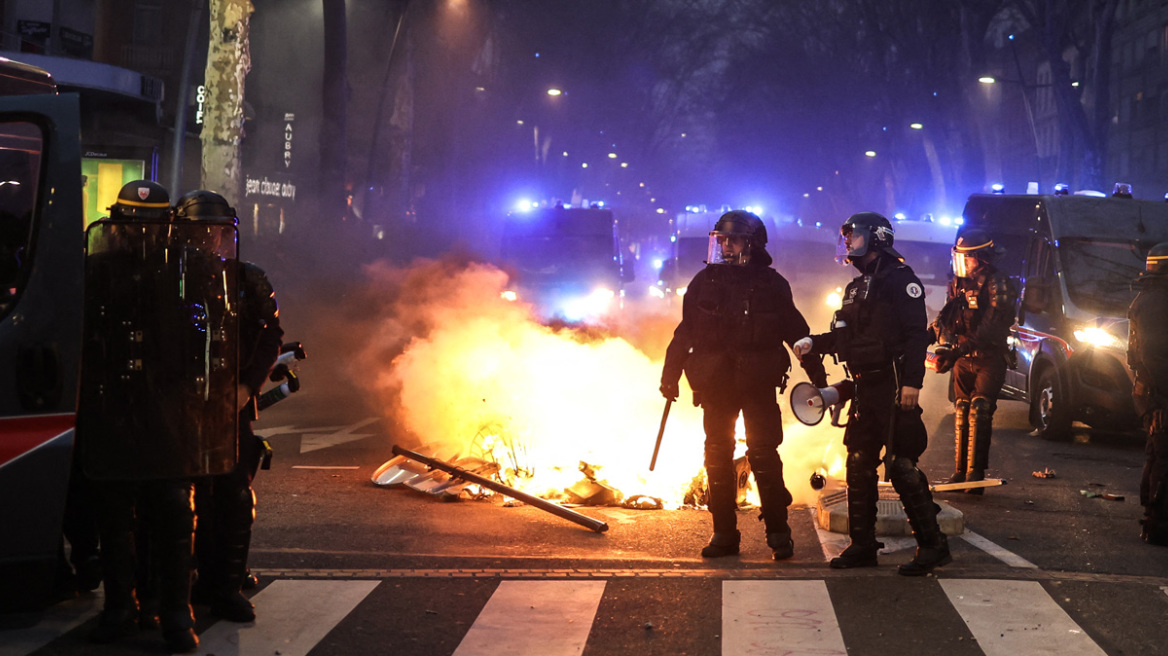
[
  {"x": 119, "y": 617},
  {"x": 723, "y": 543},
  {"x": 960, "y": 440},
  {"x": 234, "y": 539},
  {"x": 862, "y": 494},
  {"x": 774, "y": 499},
  {"x": 723, "y": 491},
  {"x": 980, "y": 429},
  {"x": 781, "y": 544},
  {"x": 932, "y": 546},
  {"x": 113, "y": 624},
  {"x": 175, "y": 527}
]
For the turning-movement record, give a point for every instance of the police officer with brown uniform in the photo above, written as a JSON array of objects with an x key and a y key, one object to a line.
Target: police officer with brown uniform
[
  {"x": 972, "y": 328},
  {"x": 1147, "y": 353},
  {"x": 881, "y": 336},
  {"x": 736, "y": 314}
]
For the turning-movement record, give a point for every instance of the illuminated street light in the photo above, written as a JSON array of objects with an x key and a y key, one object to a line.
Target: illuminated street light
[
  {"x": 916, "y": 126},
  {"x": 612, "y": 155},
  {"x": 870, "y": 153},
  {"x": 986, "y": 79},
  {"x": 554, "y": 92}
]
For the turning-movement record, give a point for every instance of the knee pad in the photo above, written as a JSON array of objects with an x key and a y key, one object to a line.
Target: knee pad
[
  {"x": 764, "y": 461},
  {"x": 861, "y": 460},
  {"x": 982, "y": 405},
  {"x": 902, "y": 469}
]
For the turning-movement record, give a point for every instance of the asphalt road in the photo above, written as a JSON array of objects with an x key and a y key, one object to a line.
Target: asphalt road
[{"x": 349, "y": 567}]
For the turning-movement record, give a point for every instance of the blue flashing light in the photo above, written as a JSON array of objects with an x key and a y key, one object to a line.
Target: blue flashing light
[
  {"x": 1062, "y": 189},
  {"x": 899, "y": 216},
  {"x": 959, "y": 221},
  {"x": 658, "y": 263},
  {"x": 998, "y": 188},
  {"x": 945, "y": 221},
  {"x": 524, "y": 205}
]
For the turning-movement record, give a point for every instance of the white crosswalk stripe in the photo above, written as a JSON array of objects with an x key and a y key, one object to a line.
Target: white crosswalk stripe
[
  {"x": 297, "y": 615},
  {"x": 773, "y": 617},
  {"x": 59, "y": 619},
  {"x": 559, "y": 617},
  {"x": 1017, "y": 617},
  {"x": 534, "y": 618}
]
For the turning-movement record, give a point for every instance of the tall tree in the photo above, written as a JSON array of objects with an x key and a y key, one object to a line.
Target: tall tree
[
  {"x": 228, "y": 62},
  {"x": 1078, "y": 30}
]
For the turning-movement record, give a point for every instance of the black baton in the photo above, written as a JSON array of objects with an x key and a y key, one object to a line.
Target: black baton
[{"x": 660, "y": 434}]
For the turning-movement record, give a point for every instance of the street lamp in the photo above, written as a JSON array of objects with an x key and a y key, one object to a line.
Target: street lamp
[{"x": 989, "y": 80}]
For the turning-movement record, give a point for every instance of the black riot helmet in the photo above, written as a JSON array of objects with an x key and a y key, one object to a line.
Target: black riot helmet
[
  {"x": 1157, "y": 262},
  {"x": 141, "y": 199},
  {"x": 973, "y": 244},
  {"x": 738, "y": 238},
  {"x": 201, "y": 205},
  {"x": 875, "y": 229}
]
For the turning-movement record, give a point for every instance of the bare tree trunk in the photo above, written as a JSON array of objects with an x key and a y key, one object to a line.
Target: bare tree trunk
[
  {"x": 228, "y": 61},
  {"x": 334, "y": 126}
]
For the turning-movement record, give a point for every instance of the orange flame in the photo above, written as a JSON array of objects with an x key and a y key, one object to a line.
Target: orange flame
[{"x": 475, "y": 374}]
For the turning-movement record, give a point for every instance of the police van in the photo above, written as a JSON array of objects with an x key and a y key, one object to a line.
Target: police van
[
  {"x": 41, "y": 268},
  {"x": 1073, "y": 257}
]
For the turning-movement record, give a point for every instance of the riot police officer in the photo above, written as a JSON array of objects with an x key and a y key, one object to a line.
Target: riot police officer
[
  {"x": 736, "y": 314},
  {"x": 1147, "y": 353},
  {"x": 225, "y": 504},
  {"x": 972, "y": 328},
  {"x": 157, "y": 405},
  {"x": 881, "y": 336}
]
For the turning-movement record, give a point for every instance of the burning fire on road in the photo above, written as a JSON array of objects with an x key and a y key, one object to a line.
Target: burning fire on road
[{"x": 467, "y": 373}]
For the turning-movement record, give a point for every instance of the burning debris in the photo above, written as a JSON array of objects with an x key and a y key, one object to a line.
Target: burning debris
[
  {"x": 561, "y": 413},
  {"x": 458, "y": 476}
]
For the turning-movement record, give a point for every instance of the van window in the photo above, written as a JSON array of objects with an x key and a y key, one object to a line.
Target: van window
[
  {"x": 1099, "y": 272},
  {"x": 20, "y": 164}
]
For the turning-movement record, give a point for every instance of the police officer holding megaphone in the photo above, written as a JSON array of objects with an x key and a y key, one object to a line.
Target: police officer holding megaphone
[{"x": 880, "y": 334}]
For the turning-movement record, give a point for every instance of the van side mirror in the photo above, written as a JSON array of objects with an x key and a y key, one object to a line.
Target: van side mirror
[{"x": 1035, "y": 296}]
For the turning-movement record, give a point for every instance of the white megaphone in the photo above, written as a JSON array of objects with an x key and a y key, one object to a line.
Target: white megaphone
[{"x": 810, "y": 403}]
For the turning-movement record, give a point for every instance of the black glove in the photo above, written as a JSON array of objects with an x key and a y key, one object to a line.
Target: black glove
[
  {"x": 946, "y": 358},
  {"x": 670, "y": 391}
]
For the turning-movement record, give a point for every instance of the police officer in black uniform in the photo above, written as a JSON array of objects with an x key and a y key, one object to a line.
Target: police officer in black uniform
[
  {"x": 225, "y": 504},
  {"x": 736, "y": 314},
  {"x": 157, "y": 405},
  {"x": 881, "y": 336},
  {"x": 1147, "y": 353},
  {"x": 972, "y": 328}
]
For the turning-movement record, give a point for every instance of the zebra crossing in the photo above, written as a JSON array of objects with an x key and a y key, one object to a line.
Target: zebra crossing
[{"x": 567, "y": 617}]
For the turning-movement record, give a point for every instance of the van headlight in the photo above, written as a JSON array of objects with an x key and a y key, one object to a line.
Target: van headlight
[{"x": 1098, "y": 337}]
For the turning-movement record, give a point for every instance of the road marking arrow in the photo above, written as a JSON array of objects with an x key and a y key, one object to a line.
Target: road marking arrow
[{"x": 314, "y": 441}]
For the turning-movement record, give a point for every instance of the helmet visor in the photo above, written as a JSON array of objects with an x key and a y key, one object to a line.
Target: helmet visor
[
  {"x": 728, "y": 248},
  {"x": 852, "y": 243},
  {"x": 1156, "y": 264},
  {"x": 963, "y": 264}
]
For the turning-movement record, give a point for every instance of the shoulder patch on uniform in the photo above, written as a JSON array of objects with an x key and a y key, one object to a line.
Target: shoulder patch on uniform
[{"x": 914, "y": 290}]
